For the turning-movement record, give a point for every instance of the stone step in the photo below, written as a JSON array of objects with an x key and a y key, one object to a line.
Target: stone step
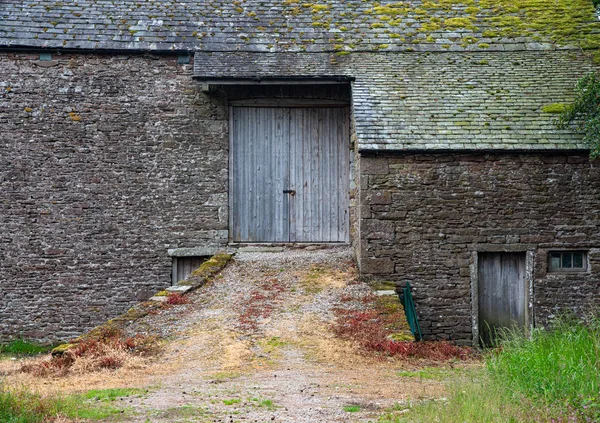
[
  {"x": 381, "y": 293},
  {"x": 179, "y": 288}
]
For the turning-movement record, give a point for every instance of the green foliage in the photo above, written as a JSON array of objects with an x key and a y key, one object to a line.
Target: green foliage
[
  {"x": 585, "y": 111},
  {"x": 554, "y": 376},
  {"x": 351, "y": 408},
  {"x": 22, "y": 347},
  {"x": 559, "y": 366},
  {"x": 473, "y": 400},
  {"x": 23, "y": 406}
]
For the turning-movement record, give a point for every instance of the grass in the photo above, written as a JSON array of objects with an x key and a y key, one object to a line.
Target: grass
[
  {"x": 23, "y": 406},
  {"x": 551, "y": 377},
  {"x": 432, "y": 373},
  {"x": 108, "y": 395},
  {"x": 184, "y": 411},
  {"x": 231, "y": 401},
  {"x": 557, "y": 366},
  {"x": 21, "y": 347},
  {"x": 220, "y": 376},
  {"x": 263, "y": 403},
  {"x": 351, "y": 408}
]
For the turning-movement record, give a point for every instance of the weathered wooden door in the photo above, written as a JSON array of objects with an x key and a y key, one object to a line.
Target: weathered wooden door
[
  {"x": 502, "y": 294},
  {"x": 289, "y": 176}
]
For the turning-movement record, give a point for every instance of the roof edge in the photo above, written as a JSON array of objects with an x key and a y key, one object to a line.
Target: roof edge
[
  {"x": 400, "y": 152},
  {"x": 59, "y": 50}
]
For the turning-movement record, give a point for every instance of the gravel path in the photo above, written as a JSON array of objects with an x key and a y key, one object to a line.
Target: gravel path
[{"x": 255, "y": 346}]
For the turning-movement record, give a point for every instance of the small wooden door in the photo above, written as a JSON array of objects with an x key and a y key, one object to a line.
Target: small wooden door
[
  {"x": 289, "y": 177},
  {"x": 502, "y": 294}
]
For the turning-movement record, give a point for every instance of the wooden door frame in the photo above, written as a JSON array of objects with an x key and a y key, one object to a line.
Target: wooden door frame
[
  {"x": 287, "y": 103},
  {"x": 474, "y": 273}
]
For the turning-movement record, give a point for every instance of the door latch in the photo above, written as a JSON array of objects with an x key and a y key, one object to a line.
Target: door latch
[{"x": 292, "y": 192}]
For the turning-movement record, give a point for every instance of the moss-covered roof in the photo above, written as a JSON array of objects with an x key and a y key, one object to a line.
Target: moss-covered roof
[
  {"x": 296, "y": 25},
  {"x": 435, "y": 101}
]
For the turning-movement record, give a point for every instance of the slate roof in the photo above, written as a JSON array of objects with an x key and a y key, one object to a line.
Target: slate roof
[
  {"x": 295, "y": 25},
  {"x": 429, "y": 74},
  {"x": 443, "y": 101}
]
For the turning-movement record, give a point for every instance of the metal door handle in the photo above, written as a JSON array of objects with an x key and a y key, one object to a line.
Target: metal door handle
[{"x": 290, "y": 191}]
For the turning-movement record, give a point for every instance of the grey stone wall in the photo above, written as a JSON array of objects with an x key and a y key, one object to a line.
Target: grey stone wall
[
  {"x": 105, "y": 163},
  {"x": 423, "y": 216}
]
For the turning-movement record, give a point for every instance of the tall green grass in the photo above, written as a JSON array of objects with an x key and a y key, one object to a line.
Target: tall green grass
[
  {"x": 556, "y": 366},
  {"x": 551, "y": 377}
]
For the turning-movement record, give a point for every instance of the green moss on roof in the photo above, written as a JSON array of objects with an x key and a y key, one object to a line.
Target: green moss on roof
[
  {"x": 295, "y": 24},
  {"x": 554, "y": 108}
]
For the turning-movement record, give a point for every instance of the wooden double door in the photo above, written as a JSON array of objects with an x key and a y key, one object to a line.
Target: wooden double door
[{"x": 289, "y": 174}]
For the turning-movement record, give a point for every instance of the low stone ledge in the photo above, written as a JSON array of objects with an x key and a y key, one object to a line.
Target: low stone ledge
[{"x": 203, "y": 251}]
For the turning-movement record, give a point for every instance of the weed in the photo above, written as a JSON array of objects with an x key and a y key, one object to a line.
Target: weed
[
  {"x": 220, "y": 376},
  {"x": 108, "y": 395},
  {"x": 260, "y": 303},
  {"x": 108, "y": 350},
  {"x": 268, "y": 404},
  {"x": 351, "y": 408},
  {"x": 185, "y": 411},
  {"x": 373, "y": 327},
  {"x": 231, "y": 401},
  {"x": 174, "y": 298},
  {"x": 556, "y": 366}
]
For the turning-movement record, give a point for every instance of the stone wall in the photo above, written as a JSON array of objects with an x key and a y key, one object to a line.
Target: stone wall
[
  {"x": 423, "y": 216},
  {"x": 105, "y": 163}
]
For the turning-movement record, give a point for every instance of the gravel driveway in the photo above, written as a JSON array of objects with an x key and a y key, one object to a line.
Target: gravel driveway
[{"x": 255, "y": 346}]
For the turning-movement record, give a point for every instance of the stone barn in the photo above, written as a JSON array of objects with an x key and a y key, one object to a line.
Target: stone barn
[{"x": 138, "y": 137}]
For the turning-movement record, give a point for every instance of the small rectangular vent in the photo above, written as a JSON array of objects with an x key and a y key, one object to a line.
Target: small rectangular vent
[
  {"x": 184, "y": 266},
  {"x": 183, "y": 59}
]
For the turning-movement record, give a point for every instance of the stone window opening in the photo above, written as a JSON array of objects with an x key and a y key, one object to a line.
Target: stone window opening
[{"x": 567, "y": 261}]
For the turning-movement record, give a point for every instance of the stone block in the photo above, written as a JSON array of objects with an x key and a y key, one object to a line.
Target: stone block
[
  {"x": 374, "y": 166},
  {"x": 377, "y": 229},
  {"x": 376, "y": 197},
  {"x": 377, "y": 266}
]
